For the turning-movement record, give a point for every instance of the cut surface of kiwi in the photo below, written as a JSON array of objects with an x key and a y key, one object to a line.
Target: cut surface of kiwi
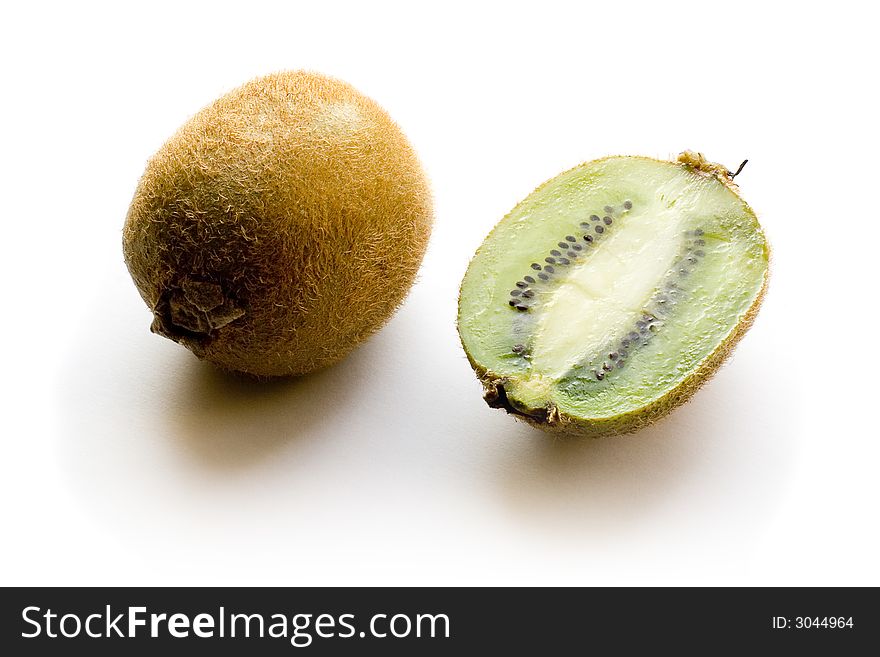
[{"x": 612, "y": 292}]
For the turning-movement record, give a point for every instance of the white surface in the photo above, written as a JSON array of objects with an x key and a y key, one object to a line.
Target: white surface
[{"x": 127, "y": 461}]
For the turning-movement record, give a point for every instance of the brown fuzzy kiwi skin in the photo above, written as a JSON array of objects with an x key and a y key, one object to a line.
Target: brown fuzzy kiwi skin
[
  {"x": 554, "y": 421},
  {"x": 280, "y": 227}
]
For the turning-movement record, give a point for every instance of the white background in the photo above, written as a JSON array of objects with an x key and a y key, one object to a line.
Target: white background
[{"x": 126, "y": 461}]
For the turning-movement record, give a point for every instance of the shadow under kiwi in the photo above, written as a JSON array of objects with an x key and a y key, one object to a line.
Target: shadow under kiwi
[
  {"x": 227, "y": 420},
  {"x": 722, "y": 456},
  {"x": 149, "y": 437}
]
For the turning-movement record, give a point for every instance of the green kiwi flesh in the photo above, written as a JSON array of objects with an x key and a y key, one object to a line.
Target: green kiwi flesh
[{"x": 612, "y": 292}]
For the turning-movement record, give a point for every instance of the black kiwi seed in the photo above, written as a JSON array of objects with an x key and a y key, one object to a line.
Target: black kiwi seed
[
  {"x": 628, "y": 205},
  {"x": 549, "y": 269},
  {"x": 599, "y": 375},
  {"x": 543, "y": 276},
  {"x": 572, "y": 254},
  {"x": 522, "y": 307},
  {"x": 594, "y": 217},
  {"x": 528, "y": 294},
  {"x": 625, "y": 342},
  {"x": 691, "y": 259},
  {"x": 555, "y": 253},
  {"x": 700, "y": 242},
  {"x": 633, "y": 336},
  {"x": 518, "y": 348},
  {"x": 570, "y": 238},
  {"x": 641, "y": 324},
  {"x": 528, "y": 279},
  {"x": 622, "y": 354},
  {"x": 550, "y": 260},
  {"x": 515, "y": 293},
  {"x": 589, "y": 238},
  {"x": 608, "y": 209},
  {"x": 522, "y": 284},
  {"x": 584, "y": 224},
  {"x": 613, "y": 355},
  {"x": 607, "y": 367},
  {"x": 512, "y": 302},
  {"x": 600, "y": 229},
  {"x": 564, "y": 261},
  {"x": 577, "y": 247},
  {"x": 536, "y": 266},
  {"x": 562, "y": 245},
  {"x": 700, "y": 253},
  {"x": 607, "y": 220}
]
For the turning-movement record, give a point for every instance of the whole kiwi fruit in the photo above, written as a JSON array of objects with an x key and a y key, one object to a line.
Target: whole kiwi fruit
[{"x": 280, "y": 226}]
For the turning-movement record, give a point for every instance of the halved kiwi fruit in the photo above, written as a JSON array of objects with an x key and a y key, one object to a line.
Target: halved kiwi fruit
[
  {"x": 612, "y": 292},
  {"x": 280, "y": 227}
]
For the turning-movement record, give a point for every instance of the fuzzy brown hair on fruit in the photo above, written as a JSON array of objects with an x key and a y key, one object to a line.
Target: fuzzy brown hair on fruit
[{"x": 280, "y": 226}]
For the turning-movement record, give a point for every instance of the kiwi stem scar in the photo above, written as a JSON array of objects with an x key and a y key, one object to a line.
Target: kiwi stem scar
[{"x": 739, "y": 170}]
